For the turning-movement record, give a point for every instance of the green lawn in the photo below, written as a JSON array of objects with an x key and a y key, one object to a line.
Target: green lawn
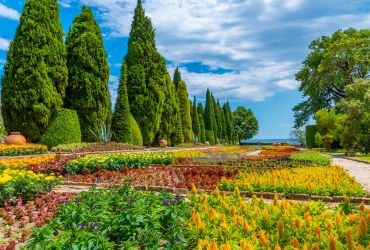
[{"x": 363, "y": 157}]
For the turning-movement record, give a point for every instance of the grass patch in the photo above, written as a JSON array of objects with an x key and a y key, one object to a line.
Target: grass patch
[{"x": 313, "y": 157}]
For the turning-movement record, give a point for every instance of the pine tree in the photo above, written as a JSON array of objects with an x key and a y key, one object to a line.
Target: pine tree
[
  {"x": 146, "y": 76},
  {"x": 229, "y": 135},
  {"x": 215, "y": 130},
  {"x": 87, "y": 91},
  {"x": 186, "y": 123},
  {"x": 35, "y": 75},
  {"x": 177, "y": 77},
  {"x": 195, "y": 118},
  {"x": 177, "y": 137},
  {"x": 209, "y": 116},
  {"x": 121, "y": 122},
  {"x": 221, "y": 119},
  {"x": 202, "y": 129}
]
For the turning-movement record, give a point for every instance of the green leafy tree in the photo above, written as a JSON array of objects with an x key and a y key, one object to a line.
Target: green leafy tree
[
  {"x": 87, "y": 91},
  {"x": 147, "y": 79},
  {"x": 202, "y": 129},
  {"x": 209, "y": 115},
  {"x": 318, "y": 139},
  {"x": 195, "y": 119},
  {"x": 184, "y": 104},
  {"x": 121, "y": 121},
  {"x": 332, "y": 63},
  {"x": 356, "y": 106},
  {"x": 246, "y": 124},
  {"x": 328, "y": 126},
  {"x": 229, "y": 122},
  {"x": 298, "y": 135},
  {"x": 35, "y": 74},
  {"x": 177, "y": 77}
]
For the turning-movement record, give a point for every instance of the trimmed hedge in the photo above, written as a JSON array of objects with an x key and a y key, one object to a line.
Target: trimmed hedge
[
  {"x": 311, "y": 131},
  {"x": 64, "y": 129},
  {"x": 137, "y": 138},
  {"x": 210, "y": 136}
]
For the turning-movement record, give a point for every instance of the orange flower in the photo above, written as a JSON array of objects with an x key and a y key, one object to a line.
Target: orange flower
[
  {"x": 332, "y": 243},
  {"x": 263, "y": 238}
]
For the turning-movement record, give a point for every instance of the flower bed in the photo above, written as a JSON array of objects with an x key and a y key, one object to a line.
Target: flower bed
[
  {"x": 313, "y": 157},
  {"x": 229, "y": 222},
  {"x": 26, "y": 149},
  {"x": 24, "y": 184},
  {"x": 17, "y": 219},
  {"x": 93, "y": 147},
  {"x": 25, "y": 161},
  {"x": 90, "y": 163},
  {"x": 332, "y": 181},
  {"x": 231, "y": 150},
  {"x": 56, "y": 165},
  {"x": 184, "y": 177},
  {"x": 118, "y": 218}
]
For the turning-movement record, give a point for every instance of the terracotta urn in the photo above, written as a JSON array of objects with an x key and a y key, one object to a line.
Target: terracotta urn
[
  {"x": 163, "y": 143},
  {"x": 15, "y": 138}
]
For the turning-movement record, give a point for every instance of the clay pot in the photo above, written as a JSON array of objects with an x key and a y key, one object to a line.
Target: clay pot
[
  {"x": 15, "y": 138},
  {"x": 163, "y": 143}
]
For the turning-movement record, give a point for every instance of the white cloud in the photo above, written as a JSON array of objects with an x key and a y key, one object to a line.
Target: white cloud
[
  {"x": 8, "y": 12},
  {"x": 66, "y": 3},
  {"x": 113, "y": 87},
  {"x": 4, "y": 44}
]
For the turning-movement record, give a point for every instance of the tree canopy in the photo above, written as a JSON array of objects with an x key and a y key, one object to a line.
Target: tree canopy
[{"x": 246, "y": 124}]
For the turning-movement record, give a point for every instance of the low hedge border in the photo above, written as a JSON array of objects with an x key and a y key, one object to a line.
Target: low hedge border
[{"x": 266, "y": 195}]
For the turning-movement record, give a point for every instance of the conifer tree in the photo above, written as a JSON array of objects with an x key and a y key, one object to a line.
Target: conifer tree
[
  {"x": 121, "y": 121},
  {"x": 35, "y": 75},
  {"x": 209, "y": 116},
  {"x": 215, "y": 130},
  {"x": 146, "y": 76},
  {"x": 195, "y": 119},
  {"x": 184, "y": 104},
  {"x": 177, "y": 77},
  {"x": 202, "y": 130},
  {"x": 221, "y": 119},
  {"x": 87, "y": 91},
  {"x": 177, "y": 136},
  {"x": 229, "y": 123}
]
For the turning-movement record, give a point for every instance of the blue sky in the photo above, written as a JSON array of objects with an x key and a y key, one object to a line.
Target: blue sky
[{"x": 246, "y": 52}]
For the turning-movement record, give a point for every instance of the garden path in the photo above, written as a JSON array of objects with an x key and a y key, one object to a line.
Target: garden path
[{"x": 359, "y": 170}]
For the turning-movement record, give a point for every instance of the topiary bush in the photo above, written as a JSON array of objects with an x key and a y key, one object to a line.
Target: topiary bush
[
  {"x": 311, "y": 131},
  {"x": 64, "y": 129},
  {"x": 210, "y": 136},
  {"x": 137, "y": 138}
]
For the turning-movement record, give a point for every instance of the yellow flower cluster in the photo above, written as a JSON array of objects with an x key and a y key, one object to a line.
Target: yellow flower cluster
[
  {"x": 26, "y": 161},
  {"x": 332, "y": 180},
  {"x": 23, "y": 146},
  {"x": 211, "y": 151},
  {"x": 13, "y": 174},
  {"x": 230, "y": 222}
]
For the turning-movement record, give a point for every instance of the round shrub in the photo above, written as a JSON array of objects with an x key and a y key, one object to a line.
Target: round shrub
[
  {"x": 137, "y": 138},
  {"x": 64, "y": 129}
]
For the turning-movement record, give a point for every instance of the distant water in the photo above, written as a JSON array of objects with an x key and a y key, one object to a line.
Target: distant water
[{"x": 290, "y": 141}]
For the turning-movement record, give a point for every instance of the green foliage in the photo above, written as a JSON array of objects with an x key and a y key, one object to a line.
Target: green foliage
[
  {"x": 177, "y": 77},
  {"x": 195, "y": 119},
  {"x": 210, "y": 137},
  {"x": 87, "y": 90},
  {"x": 117, "y": 161},
  {"x": 35, "y": 74},
  {"x": 177, "y": 137},
  {"x": 209, "y": 114},
  {"x": 318, "y": 139},
  {"x": 221, "y": 133},
  {"x": 63, "y": 129},
  {"x": 245, "y": 123},
  {"x": 356, "y": 106},
  {"x": 229, "y": 122},
  {"x": 116, "y": 218},
  {"x": 328, "y": 125},
  {"x": 311, "y": 131},
  {"x": 121, "y": 122},
  {"x": 102, "y": 133},
  {"x": 3, "y": 133},
  {"x": 332, "y": 63},
  {"x": 147, "y": 78},
  {"x": 137, "y": 138},
  {"x": 184, "y": 104},
  {"x": 313, "y": 158},
  {"x": 298, "y": 135}
]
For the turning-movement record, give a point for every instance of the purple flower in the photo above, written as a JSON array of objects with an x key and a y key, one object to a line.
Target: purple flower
[
  {"x": 166, "y": 202},
  {"x": 82, "y": 225}
]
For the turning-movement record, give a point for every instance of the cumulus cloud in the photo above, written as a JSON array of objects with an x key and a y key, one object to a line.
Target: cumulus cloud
[
  {"x": 8, "y": 12},
  {"x": 261, "y": 43},
  {"x": 65, "y": 3},
  {"x": 4, "y": 44}
]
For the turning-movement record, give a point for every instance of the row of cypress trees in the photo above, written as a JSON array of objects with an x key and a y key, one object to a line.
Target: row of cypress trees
[{"x": 44, "y": 74}]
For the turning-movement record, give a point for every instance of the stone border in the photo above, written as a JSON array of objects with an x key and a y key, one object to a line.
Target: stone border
[{"x": 266, "y": 195}]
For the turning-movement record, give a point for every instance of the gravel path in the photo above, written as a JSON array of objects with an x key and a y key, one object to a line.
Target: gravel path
[{"x": 361, "y": 171}]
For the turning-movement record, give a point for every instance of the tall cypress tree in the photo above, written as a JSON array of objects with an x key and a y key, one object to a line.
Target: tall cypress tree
[
  {"x": 229, "y": 123},
  {"x": 35, "y": 75},
  {"x": 184, "y": 104},
  {"x": 209, "y": 117},
  {"x": 195, "y": 119},
  {"x": 221, "y": 126},
  {"x": 202, "y": 129},
  {"x": 215, "y": 130},
  {"x": 177, "y": 77},
  {"x": 87, "y": 90},
  {"x": 121, "y": 122},
  {"x": 146, "y": 76}
]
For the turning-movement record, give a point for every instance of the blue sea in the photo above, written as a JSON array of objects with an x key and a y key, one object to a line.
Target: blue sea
[{"x": 290, "y": 141}]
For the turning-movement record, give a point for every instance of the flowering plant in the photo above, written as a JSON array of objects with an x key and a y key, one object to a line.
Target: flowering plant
[
  {"x": 25, "y": 149},
  {"x": 25, "y": 161}
]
